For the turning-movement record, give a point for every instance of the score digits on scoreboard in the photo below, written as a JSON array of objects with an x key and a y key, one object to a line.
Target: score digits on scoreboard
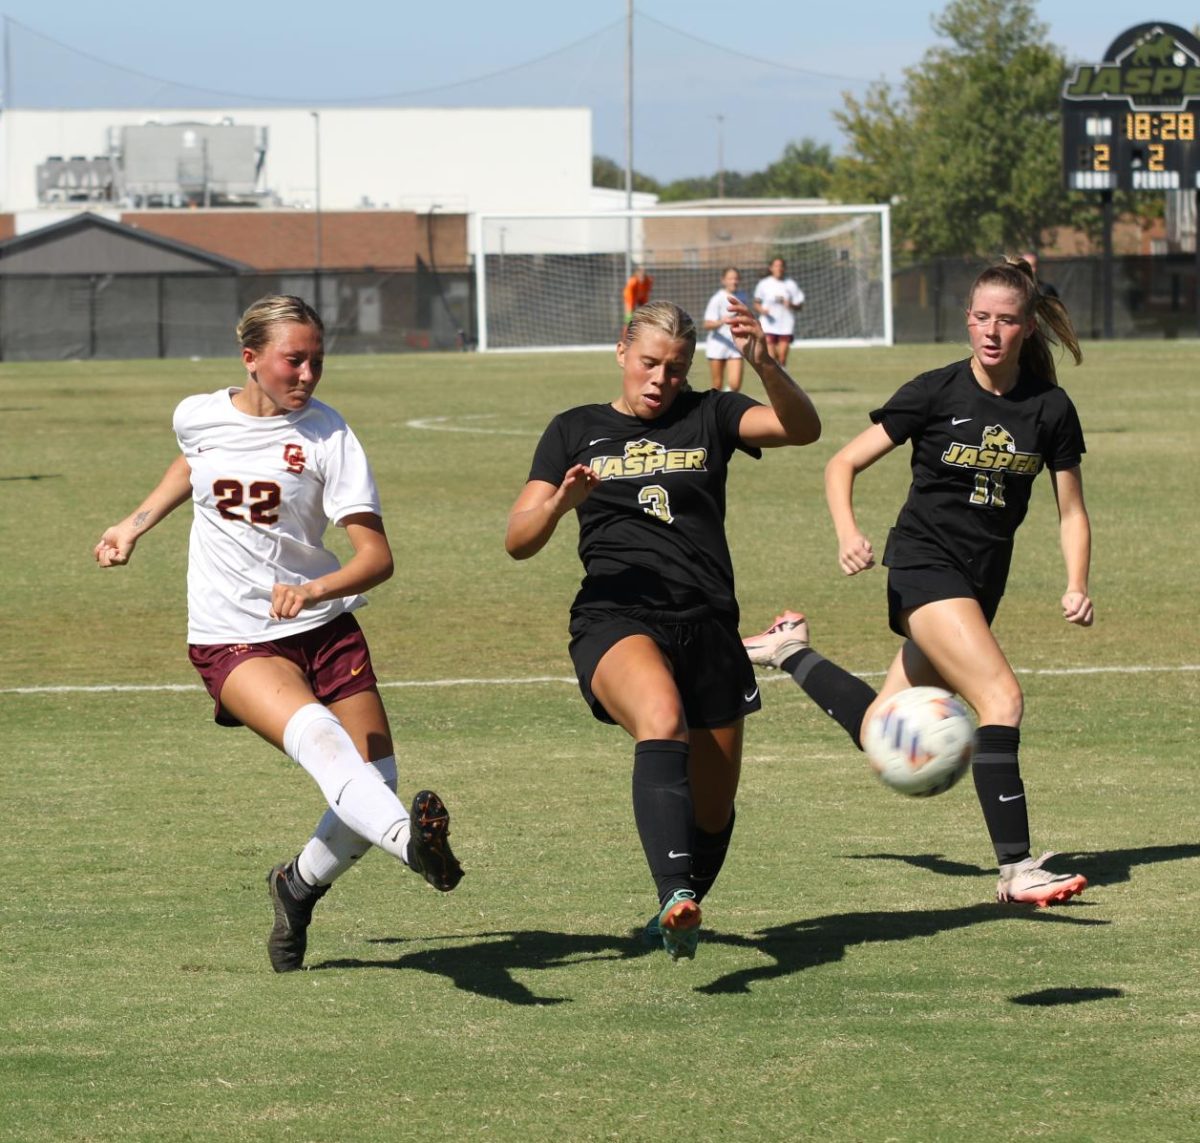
[{"x": 1130, "y": 123}]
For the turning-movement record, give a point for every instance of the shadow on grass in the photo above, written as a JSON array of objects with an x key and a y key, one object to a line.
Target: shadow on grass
[
  {"x": 1052, "y": 997},
  {"x": 1105, "y": 867},
  {"x": 824, "y": 940},
  {"x": 485, "y": 965}
]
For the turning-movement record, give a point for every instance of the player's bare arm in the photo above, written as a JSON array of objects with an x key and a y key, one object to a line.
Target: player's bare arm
[
  {"x": 1075, "y": 536},
  {"x": 118, "y": 541},
  {"x": 791, "y": 418},
  {"x": 370, "y": 565},
  {"x": 855, "y": 553},
  {"x": 541, "y": 505}
]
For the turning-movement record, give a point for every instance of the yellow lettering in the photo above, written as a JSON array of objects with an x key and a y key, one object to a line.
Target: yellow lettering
[
  {"x": 1167, "y": 80},
  {"x": 1081, "y": 86},
  {"x": 1137, "y": 80},
  {"x": 1106, "y": 81}
]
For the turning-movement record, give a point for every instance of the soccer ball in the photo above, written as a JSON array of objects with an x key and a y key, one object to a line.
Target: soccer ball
[{"x": 919, "y": 741}]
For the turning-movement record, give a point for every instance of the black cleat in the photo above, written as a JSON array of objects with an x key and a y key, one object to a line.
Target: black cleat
[
  {"x": 429, "y": 852},
  {"x": 289, "y": 934}
]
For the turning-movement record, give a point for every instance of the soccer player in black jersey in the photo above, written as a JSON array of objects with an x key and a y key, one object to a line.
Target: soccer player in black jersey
[
  {"x": 981, "y": 430},
  {"x": 653, "y": 627}
]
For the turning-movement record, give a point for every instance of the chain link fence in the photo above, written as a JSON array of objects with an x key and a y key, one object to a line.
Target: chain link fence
[
  {"x": 126, "y": 316},
  {"x": 1153, "y": 296}
]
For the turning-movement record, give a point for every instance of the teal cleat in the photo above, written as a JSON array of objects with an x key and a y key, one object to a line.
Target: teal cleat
[{"x": 678, "y": 924}]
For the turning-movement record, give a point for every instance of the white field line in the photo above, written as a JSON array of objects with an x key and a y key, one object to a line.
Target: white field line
[
  {"x": 444, "y": 425},
  {"x": 534, "y": 680}
]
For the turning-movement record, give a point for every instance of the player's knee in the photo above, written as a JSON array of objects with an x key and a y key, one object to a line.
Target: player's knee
[
  {"x": 661, "y": 718},
  {"x": 1002, "y": 704}
]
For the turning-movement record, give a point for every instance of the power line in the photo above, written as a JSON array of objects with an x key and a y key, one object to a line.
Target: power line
[
  {"x": 306, "y": 100},
  {"x": 754, "y": 59}
]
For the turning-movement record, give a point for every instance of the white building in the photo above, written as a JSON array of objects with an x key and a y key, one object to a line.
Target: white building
[{"x": 464, "y": 161}]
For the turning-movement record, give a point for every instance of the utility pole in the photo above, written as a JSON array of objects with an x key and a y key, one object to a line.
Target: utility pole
[{"x": 317, "y": 252}]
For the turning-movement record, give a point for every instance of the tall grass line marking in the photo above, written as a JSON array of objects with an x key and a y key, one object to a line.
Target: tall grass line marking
[{"x": 529, "y": 680}]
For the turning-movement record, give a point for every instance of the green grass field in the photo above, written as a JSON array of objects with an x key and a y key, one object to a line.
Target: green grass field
[{"x": 855, "y": 982}]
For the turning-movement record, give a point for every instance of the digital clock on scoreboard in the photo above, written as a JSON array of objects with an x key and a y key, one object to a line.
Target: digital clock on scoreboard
[
  {"x": 1131, "y": 150},
  {"x": 1130, "y": 123}
]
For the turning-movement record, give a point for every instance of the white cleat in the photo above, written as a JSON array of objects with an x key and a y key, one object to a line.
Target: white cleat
[
  {"x": 787, "y": 635},
  {"x": 1026, "y": 882}
]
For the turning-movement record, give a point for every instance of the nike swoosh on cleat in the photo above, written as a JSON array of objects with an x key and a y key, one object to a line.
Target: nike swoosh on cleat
[
  {"x": 1010, "y": 797},
  {"x": 751, "y": 696},
  {"x": 959, "y": 420},
  {"x": 672, "y": 853}
]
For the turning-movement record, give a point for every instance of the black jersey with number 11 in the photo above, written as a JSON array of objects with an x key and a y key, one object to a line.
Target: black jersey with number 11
[{"x": 974, "y": 458}]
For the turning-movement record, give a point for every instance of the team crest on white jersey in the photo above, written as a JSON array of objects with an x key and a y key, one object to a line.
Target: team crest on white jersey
[
  {"x": 648, "y": 458},
  {"x": 996, "y": 451},
  {"x": 293, "y": 458}
]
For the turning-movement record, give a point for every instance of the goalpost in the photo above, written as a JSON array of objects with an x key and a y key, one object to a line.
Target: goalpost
[{"x": 554, "y": 281}]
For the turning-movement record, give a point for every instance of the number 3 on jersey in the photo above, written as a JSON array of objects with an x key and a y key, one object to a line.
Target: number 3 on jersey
[{"x": 655, "y": 502}]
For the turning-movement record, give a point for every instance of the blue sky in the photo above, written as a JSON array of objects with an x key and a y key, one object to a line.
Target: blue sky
[{"x": 711, "y": 77}]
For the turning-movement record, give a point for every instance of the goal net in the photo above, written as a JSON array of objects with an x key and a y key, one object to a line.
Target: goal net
[{"x": 554, "y": 281}]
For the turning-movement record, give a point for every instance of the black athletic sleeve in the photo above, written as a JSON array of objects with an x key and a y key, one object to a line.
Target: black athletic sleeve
[
  {"x": 1067, "y": 446},
  {"x": 551, "y": 458},
  {"x": 907, "y": 413},
  {"x": 731, "y": 407}
]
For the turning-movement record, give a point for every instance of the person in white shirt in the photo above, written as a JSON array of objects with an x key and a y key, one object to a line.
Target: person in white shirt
[
  {"x": 724, "y": 359},
  {"x": 270, "y": 625},
  {"x": 777, "y": 299}
]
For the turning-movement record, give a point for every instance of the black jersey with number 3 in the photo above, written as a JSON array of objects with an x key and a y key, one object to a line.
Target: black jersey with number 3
[
  {"x": 974, "y": 458},
  {"x": 652, "y": 533}
]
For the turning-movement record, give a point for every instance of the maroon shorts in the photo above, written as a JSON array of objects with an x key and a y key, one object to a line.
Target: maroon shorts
[
  {"x": 334, "y": 659},
  {"x": 778, "y": 338}
]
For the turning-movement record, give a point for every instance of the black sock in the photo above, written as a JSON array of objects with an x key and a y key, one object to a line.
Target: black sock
[
  {"x": 300, "y": 889},
  {"x": 709, "y": 856},
  {"x": 841, "y": 695},
  {"x": 1001, "y": 792},
  {"x": 662, "y": 809}
]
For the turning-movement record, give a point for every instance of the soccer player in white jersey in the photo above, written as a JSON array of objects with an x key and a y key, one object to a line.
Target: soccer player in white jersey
[
  {"x": 270, "y": 625},
  {"x": 724, "y": 357},
  {"x": 777, "y": 299}
]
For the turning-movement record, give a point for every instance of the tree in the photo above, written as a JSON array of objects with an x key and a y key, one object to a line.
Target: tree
[
  {"x": 802, "y": 171},
  {"x": 607, "y": 173},
  {"x": 968, "y": 151}
]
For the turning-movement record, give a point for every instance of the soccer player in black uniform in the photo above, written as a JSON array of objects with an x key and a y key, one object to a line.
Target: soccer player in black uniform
[
  {"x": 981, "y": 430},
  {"x": 654, "y": 636}
]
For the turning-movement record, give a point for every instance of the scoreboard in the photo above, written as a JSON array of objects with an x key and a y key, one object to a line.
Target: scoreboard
[{"x": 1130, "y": 123}]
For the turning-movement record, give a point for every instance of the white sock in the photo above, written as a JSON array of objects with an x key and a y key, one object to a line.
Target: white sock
[
  {"x": 355, "y": 791},
  {"x": 334, "y": 846}
]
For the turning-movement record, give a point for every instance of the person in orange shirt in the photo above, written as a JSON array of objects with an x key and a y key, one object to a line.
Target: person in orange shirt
[{"x": 637, "y": 291}]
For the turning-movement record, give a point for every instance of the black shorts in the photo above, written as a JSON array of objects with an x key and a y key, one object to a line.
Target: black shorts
[
  {"x": 711, "y": 668},
  {"x": 911, "y": 587}
]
